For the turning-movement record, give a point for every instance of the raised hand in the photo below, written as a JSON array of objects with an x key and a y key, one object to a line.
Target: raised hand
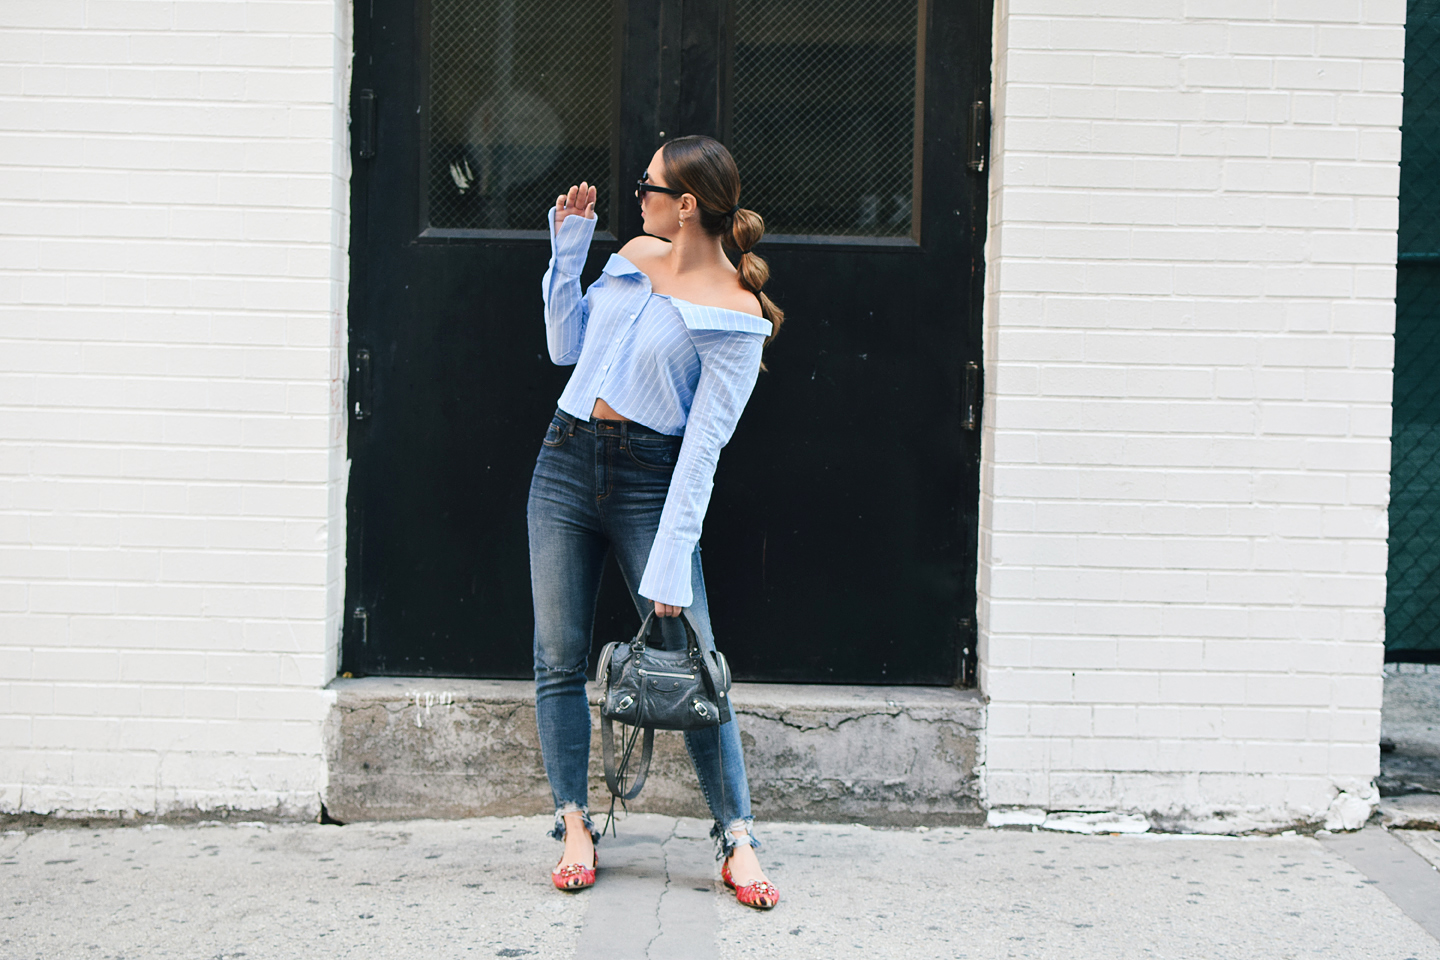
[{"x": 579, "y": 202}]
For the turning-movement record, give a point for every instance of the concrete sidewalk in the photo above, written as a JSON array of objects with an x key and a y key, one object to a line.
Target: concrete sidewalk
[{"x": 478, "y": 888}]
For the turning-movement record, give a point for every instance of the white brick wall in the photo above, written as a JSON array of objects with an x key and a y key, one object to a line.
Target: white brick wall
[
  {"x": 1189, "y": 345},
  {"x": 173, "y": 201}
]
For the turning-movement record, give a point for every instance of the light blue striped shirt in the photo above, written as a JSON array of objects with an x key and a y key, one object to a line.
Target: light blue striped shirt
[{"x": 676, "y": 367}]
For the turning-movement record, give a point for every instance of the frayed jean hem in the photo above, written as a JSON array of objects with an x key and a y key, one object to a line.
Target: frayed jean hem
[
  {"x": 727, "y": 841},
  {"x": 558, "y": 832}
]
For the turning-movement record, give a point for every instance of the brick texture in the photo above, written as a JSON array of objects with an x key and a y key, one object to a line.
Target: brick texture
[
  {"x": 1189, "y": 347},
  {"x": 173, "y": 203}
]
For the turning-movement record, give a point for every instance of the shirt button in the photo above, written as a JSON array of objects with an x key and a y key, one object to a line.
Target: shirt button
[{"x": 632, "y": 316}]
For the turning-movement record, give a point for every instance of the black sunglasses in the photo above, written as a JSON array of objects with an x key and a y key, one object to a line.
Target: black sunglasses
[{"x": 644, "y": 186}]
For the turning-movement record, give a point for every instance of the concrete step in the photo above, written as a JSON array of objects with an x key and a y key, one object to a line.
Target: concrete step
[{"x": 886, "y": 756}]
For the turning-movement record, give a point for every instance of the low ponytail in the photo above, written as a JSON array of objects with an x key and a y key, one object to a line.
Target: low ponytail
[
  {"x": 746, "y": 229},
  {"x": 703, "y": 168}
]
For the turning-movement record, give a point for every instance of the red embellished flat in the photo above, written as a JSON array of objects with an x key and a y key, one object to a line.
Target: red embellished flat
[
  {"x": 760, "y": 894},
  {"x": 574, "y": 876}
]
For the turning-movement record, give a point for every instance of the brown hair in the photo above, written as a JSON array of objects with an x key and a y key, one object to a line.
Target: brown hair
[{"x": 703, "y": 168}]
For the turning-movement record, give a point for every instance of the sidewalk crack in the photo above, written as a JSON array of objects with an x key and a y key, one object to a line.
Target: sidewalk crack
[{"x": 660, "y": 900}]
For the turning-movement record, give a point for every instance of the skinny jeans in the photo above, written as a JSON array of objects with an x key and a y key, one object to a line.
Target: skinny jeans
[{"x": 599, "y": 487}]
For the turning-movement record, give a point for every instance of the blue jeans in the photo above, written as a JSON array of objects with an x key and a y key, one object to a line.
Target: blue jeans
[{"x": 600, "y": 486}]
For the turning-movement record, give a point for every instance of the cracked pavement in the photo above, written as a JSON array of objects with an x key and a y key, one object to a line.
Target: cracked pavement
[
  {"x": 658, "y": 895},
  {"x": 480, "y": 888}
]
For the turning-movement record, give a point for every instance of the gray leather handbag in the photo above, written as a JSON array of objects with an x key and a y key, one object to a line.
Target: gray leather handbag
[{"x": 650, "y": 689}]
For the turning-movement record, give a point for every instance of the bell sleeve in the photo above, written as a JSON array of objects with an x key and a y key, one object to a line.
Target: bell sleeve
[
  {"x": 729, "y": 366},
  {"x": 566, "y": 309}
]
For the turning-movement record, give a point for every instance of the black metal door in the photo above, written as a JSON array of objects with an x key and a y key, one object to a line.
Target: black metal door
[{"x": 840, "y": 544}]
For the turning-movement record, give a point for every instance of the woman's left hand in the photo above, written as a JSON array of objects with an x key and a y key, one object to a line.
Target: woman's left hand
[{"x": 667, "y": 610}]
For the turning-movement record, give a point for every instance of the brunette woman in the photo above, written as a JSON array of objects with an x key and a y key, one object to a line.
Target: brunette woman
[{"x": 666, "y": 346}]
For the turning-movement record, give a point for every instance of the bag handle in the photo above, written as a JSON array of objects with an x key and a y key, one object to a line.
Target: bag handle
[
  {"x": 710, "y": 657},
  {"x": 692, "y": 633}
]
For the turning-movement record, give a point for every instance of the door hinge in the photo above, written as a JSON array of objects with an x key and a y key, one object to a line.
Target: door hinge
[
  {"x": 362, "y": 124},
  {"x": 360, "y": 385},
  {"x": 979, "y": 136},
  {"x": 972, "y": 395}
]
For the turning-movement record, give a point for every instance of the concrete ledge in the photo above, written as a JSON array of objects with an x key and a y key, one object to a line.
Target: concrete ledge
[{"x": 894, "y": 756}]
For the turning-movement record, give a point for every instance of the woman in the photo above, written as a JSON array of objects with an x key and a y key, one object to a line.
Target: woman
[{"x": 666, "y": 346}]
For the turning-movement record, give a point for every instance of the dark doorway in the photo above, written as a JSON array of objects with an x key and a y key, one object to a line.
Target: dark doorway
[{"x": 840, "y": 544}]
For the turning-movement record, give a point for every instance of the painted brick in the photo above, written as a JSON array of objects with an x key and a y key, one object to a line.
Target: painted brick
[
  {"x": 208, "y": 703},
  {"x": 61, "y": 733},
  {"x": 1010, "y": 720},
  {"x": 1237, "y": 522},
  {"x": 158, "y": 457},
  {"x": 1382, "y": 43},
  {"x": 1358, "y": 180}
]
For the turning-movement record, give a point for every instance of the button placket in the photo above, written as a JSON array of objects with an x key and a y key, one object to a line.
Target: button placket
[{"x": 615, "y": 346}]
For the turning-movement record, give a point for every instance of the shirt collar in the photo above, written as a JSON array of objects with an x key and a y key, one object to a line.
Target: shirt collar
[
  {"x": 618, "y": 266},
  {"x": 696, "y": 317}
]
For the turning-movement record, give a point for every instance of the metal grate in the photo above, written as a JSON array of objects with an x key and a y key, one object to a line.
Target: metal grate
[
  {"x": 513, "y": 112},
  {"x": 824, "y": 104},
  {"x": 1412, "y": 607}
]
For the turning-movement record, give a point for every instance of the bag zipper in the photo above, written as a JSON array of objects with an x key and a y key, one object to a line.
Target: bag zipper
[{"x": 656, "y": 673}]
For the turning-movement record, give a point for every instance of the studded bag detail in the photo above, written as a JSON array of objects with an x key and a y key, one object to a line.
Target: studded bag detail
[{"x": 649, "y": 689}]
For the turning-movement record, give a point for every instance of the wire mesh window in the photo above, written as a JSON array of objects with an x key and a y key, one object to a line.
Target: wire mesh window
[
  {"x": 513, "y": 111},
  {"x": 1412, "y": 609},
  {"x": 824, "y": 114}
]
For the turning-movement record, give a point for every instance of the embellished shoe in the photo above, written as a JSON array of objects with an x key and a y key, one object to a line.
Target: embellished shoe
[
  {"x": 760, "y": 894},
  {"x": 574, "y": 876}
]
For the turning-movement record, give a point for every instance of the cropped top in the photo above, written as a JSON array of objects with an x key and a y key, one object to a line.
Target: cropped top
[{"x": 676, "y": 367}]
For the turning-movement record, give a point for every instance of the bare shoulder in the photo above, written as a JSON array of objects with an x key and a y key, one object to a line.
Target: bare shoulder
[
  {"x": 643, "y": 249},
  {"x": 727, "y": 294},
  {"x": 737, "y": 298}
]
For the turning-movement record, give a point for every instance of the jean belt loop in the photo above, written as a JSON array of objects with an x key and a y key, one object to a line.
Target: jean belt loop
[
  {"x": 624, "y": 434},
  {"x": 573, "y": 421}
]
